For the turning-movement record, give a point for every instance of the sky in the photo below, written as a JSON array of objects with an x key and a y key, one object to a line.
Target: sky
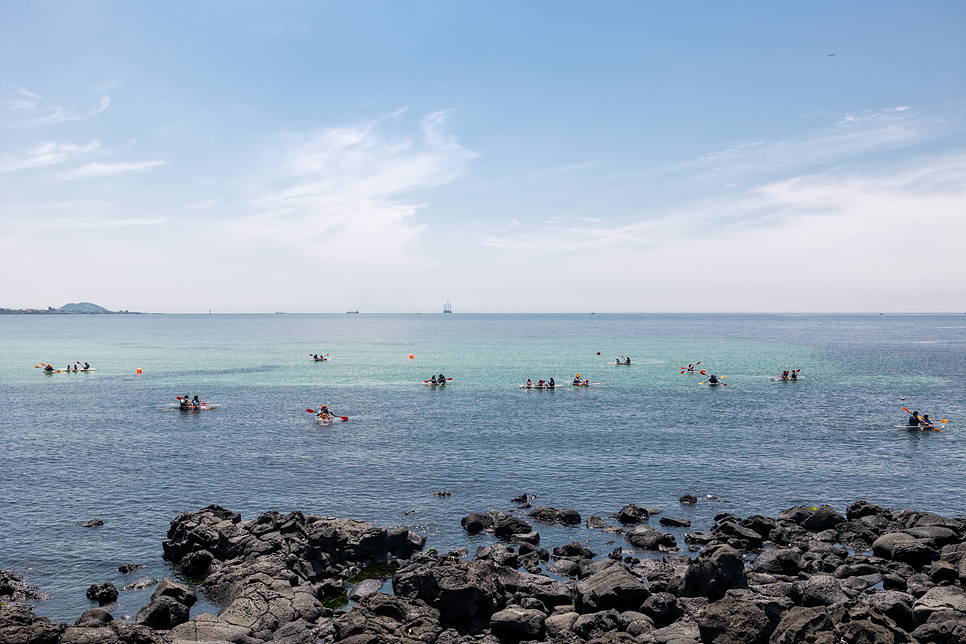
[{"x": 504, "y": 156}]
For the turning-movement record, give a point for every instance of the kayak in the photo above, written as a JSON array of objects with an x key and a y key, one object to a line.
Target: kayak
[
  {"x": 178, "y": 407},
  {"x": 914, "y": 428},
  {"x": 435, "y": 384},
  {"x": 584, "y": 384},
  {"x": 320, "y": 359},
  {"x": 713, "y": 384},
  {"x": 625, "y": 364},
  {"x": 778, "y": 379},
  {"x": 538, "y": 386},
  {"x": 69, "y": 371}
]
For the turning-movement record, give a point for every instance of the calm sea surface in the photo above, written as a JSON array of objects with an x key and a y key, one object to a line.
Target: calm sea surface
[{"x": 107, "y": 445}]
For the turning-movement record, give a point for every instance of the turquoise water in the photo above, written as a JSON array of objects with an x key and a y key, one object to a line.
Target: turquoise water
[{"x": 107, "y": 444}]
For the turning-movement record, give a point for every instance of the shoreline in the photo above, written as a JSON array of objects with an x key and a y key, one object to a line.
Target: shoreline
[{"x": 897, "y": 575}]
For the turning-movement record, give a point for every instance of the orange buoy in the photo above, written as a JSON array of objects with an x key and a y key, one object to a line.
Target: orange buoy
[
  {"x": 139, "y": 370},
  {"x": 410, "y": 356}
]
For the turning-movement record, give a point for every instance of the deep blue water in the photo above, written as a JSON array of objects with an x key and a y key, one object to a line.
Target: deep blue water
[{"x": 105, "y": 444}]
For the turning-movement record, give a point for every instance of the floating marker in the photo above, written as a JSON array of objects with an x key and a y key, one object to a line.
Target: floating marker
[
  {"x": 139, "y": 371},
  {"x": 410, "y": 356}
]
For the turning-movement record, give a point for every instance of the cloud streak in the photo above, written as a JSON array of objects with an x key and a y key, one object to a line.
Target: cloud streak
[
  {"x": 44, "y": 154},
  {"x": 38, "y": 110},
  {"x": 92, "y": 170}
]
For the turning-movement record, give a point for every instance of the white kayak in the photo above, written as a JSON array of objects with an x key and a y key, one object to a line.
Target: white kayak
[
  {"x": 779, "y": 379},
  {"x": 538, "y": 386},
  {"x": 178, "y": 407}
]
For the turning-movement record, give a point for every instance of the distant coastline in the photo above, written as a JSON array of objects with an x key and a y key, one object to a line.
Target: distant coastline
[{"x": 68, "y": 309}]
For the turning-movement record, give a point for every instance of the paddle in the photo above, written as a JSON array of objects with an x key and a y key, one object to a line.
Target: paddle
[
  {"x": 344, "y": 418},
  {"x": 942, "y": 420}
]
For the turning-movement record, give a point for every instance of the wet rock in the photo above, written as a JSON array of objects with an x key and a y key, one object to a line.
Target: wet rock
[
  {"x": 162, "y": 613},
  {"x": 688, "y": 499},
  {"x": 675, "y": 523},
  {"x": 140, "y": 584},
  {"x": 129, "y": 568},
  {"x": 104, "y": 594},
  {"x": 630, "y": 514},
  {"x": 507, "y": 525},
  {"x": 650, "y": 539},
  {"x": 365, "y": 588},
  {"x": 93, "y": 523},
  {"x": 573, "y": 549},
  {"x": 194, "y": 565},
  {"x": 475, "y": 522},
  {"x": 795, "y": 514},
  {"x": 569, "y": 516},
  {"x": 594, "y": 522},
  {"x": 19, "y": 625},
  {"x": 13, "y": 589}
]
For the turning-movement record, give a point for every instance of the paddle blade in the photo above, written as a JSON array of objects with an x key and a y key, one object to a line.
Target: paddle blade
[
  {"x": 36, "y": 367},
  {"x": 943, "y": 420},
  {"x": 311, "y": 411},
  {"x": 906, "y": 410},
  {"x": 697, "y": 363},
  {"x": 700, "y": 383},
  {"x": 703, "y": 372},
  {"x": 344, "y": 418},
  {"x": 449, "y": 378}
]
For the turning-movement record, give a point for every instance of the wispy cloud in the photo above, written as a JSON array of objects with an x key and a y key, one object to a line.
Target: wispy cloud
[
  {"x": 340, "y": 190},
  {"x": 82, "y": 223},
  {"x": 108, "y": 169},
  {"x": 44, "y": 154},
  {"x": 34, "y": 109}
]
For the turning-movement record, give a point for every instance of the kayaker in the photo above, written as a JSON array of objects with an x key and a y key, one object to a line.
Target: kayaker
[
  {"x": 441, "y": 379},
  {"x": 794, "y": 375},
  {"x": 628, "y": 361},
  {"x": 432, "y": 379},
  {"x": 925, "y": 421},
  {"x": 915, "y": 420},
  {"x": 323, "y": 413},
  {"x": 185, "y": 402},
  {"x": 48, "y": 368},
  {"x": 529, "y": 384},
  {"x": 577, "y": 379},
  {"x": 195, "y": 402},
  {"x": 713, "y": 380},
  {"x": 551, "y": 383},
  {"x": 86, "y": 366}
]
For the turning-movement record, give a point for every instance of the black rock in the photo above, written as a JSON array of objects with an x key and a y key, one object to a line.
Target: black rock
[
  {"x": 475, "y": 522},
  {"x": 630, "y": 514},
  {"x": 106, "y": 593},
  {"x": 688, "y": 499}
]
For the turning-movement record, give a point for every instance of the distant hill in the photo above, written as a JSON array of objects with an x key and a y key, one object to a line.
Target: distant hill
[{"x": 87, "y": 307}]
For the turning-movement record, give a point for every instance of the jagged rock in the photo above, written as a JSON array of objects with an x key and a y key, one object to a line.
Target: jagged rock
[
  {"x": 823, "y": 590},
  {"x": 630, "y": 514},
  {"x": 680, "y": 632},
  {"x": 384, "y": 618},
  {"x": 573, "y": 549},
  {"x": 675, "y": 523},
  {"x": 861, "y": 509},
  {"x": 13, "y": 589},
  {"x": 946, "y": 601},
  {"x": 545, "y": 515},
  {"x": 93, "y": 523},
  {"x": 475, "y": 522},
  {"x": 104, "y": 594},
  {"x": 803, "y": 625},
  {"x": 725, "y": 530},
  {"x": 612, "y": 588},
  {"x": 569, "y": 516},
  {"x": 688, "y": 499},
  {"x": 861, "y": 622},
  {"x": 594, "y": 522},
  {"x": 732, "y": 621},
  {"x": 140, "y": 584},
  {"x": 365, "y": 588},
  {"x": 650, "y": 539},
  {"x": 19, "y": 625},
  {"x": 129, "y": 568},
  {"x": 113, "y": 632},
  {"x": 594, "y": 625},
  {"x": 518, "y": 622},
  {"x": 208, "y": 628},
  {"x": 934, "y": 536},
  {"x": 195, "y": 564},
  {"x": 899, "y": 546},
  {"x": 509, "y": 525},
  {"x": 894, "y": 605},
  {"x": 162, "y": 613},
  {"x": 941, "y": 632},
  {"x": 716, "y": 570},
  {"x": 661, "y": 608},
  {"x": 824, "y": 518},
  {"x": 780, "y": 561}
]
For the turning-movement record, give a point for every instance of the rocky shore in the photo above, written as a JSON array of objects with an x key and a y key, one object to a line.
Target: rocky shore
[{"x": 872, "y": 576}]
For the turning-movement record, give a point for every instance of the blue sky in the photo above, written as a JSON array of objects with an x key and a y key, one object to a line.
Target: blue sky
[{"x": 506, "y": 156}]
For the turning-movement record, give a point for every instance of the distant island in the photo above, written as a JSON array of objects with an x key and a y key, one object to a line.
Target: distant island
[{"x": 68, "y": 309}]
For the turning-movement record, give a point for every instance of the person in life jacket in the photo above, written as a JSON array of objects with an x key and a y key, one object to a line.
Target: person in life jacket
[
  {"x": 915, "y": 420},
  {"x": 324, "y": 413},
  {"x": 550, "y": 382},
  {"x": 48, "y": 368},
  {"x": 713, "y": 380},
  {"x": 577, "y": 379}
]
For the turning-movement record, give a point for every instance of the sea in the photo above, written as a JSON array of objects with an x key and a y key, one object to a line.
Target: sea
[{"x": 111, "y": 444}]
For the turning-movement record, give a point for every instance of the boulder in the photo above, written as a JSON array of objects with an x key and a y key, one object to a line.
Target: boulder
[
  {"x": 675, "y": 523},
  {"x": 19, "y": 625},
  {"x": 465, "y": 594},
  {"x": 661, "y": 608},
  {"x": 594, "y": 625},
  {"x": 803, "y": 625},
  {"x": 630, "y": 514},
  {"x": 475, "y": 522},
  {"x": 824, "y": 518},
  {"x": 94, "y": 617},
  {"x": 178, "y": 592},
  {"x": 778, "y": 561},
  {"x": 900, "y": 546},
  {"x": 560, "y": 624},
  {"x": 823, "y": 590},
  {"x": 508, "y": 525},
  {"x": 518, "y": 622},
  {"x": 106, "y": 593},
  {"x": 194, "y": 565},
  {"x": 612, "y": 588},
  {"x": 569, "y": 516},
  {"x": 947, "y": 602},
  {"x": 716, "y": 570},
  {"x": 732, "y": 621},
  {"x": 650, "y": 539},
  {"x": 895, "y": 605},
  {"x": 162, "y": 613},
  {"x": 688, "y": 499}
]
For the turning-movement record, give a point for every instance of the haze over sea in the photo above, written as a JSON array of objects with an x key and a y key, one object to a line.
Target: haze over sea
[{"x": 108, "y": 444}]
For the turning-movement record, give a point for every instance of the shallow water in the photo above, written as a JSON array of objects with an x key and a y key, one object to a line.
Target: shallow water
[{"x": 106, "y": 444}]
